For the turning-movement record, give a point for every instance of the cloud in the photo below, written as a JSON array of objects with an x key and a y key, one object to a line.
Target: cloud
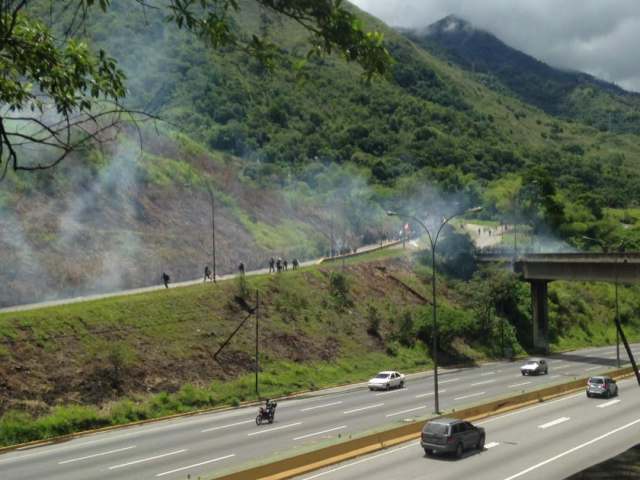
[{"x": 594, "y": 36}]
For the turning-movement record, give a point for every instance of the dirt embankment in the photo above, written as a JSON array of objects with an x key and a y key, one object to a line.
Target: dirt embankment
[{"x": 98, "y": 352}]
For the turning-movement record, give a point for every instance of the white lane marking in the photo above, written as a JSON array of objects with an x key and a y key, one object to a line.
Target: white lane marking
[
  {"x": 148, "y": 459},
  {"x": 405, "y": 411},
  {"x": 482, "y": 383},
  {"x": 574, "y": 449},
  {"x": 375, "y": 405},
  {"x": 422, "y": 395},
  {"x": 593, "y": 368},
  {"x": 101, "y": 454},
  {"x": 206, "y": 462},
  {"x": 553, "y": 423},
  {"x": 491, "y": 445},
  {"x": 308, "y": 409},
  {"x": 449, "y": 381},
  {"x": 525, "y": 410},
  {"x": 487, "y": 373},
  {"x": 609, "y": 403},
  {"x": 259, "y": 432},
  {"x": 212, "y": 429},
  {"x": 515, "y": 385},
  {"x": 391, "y": 391},
  {"x": 469, "y": 396},
  {"x": 320, "y": 433},
  {"x": 358, "y": 462}
]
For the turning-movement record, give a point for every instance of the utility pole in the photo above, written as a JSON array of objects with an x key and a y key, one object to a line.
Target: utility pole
[
  {"x": 257, "y": 341},
  {"x": 213, "y": 229}
]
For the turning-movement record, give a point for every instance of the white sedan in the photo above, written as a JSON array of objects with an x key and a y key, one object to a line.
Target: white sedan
[{"x": 386, "y": 380}]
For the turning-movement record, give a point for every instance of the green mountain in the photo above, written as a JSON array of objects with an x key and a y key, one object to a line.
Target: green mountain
[
  {"x": 302, "y": 160},
  {"x": 568, "y": 94}
]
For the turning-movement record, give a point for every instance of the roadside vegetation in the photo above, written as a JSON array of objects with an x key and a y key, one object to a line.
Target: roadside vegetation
[{"x": 149, "y": 355}]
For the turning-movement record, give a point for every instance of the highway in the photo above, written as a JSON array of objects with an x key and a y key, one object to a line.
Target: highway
[
  {"x": 212, "y": 443},
  {"x": 552, "y": 440}
]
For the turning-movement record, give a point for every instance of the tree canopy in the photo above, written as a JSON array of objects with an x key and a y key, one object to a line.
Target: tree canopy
[{"x": 58, "y": 93}]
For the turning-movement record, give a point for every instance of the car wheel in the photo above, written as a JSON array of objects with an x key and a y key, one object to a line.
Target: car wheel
[
  {"x": 588, "y": 395},
  {"x": 428, "y": 452},
  {"x": 480, "y": 445},
  {"x": 388, "y": 386},
  {"x": 608, "y": 394},
  {"x": 401, "y": 384},
  {"x": 258, "y": 420},
  {"x": 459, "y": 450},
  {"x": 523, "y": 374}
]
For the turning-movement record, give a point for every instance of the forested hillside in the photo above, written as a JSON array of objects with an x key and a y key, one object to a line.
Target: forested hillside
[
  {"x": 303, "y": 159},
  {"x": 569, "y": 94}
]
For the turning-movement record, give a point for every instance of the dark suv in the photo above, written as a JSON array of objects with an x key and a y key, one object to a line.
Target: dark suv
[{"x": 450, "y": 435}]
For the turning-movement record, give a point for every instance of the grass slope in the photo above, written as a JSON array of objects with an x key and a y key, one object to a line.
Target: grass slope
[{"x": 116, "y": 360}]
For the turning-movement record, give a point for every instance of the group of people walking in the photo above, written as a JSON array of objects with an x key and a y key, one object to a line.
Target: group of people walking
[
  {"x": 280, "y": 265},
  {"x": 275, "y": 265}
]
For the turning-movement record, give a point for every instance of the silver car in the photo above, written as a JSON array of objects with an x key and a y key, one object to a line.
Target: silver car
[
  {"x": 601, "y": 387},
  {"x": 535, "y": 367}
]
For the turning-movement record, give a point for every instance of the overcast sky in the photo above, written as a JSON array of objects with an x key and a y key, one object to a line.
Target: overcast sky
[{"x": 601, "y": 37}]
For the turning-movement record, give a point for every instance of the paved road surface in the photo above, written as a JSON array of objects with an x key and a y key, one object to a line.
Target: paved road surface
[
  {"x": 549, "y": 441},
  {"x": 212, "y": 443}
]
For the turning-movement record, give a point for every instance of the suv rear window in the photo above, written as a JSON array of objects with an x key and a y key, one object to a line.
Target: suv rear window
[
  {"x": 436, "y": 428},
  {"x": 597, "y": 381}
]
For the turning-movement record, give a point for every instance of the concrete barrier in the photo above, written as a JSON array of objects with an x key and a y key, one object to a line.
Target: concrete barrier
[
  {"x": 357, "y": 254},
  {"x": 346, "y": 450}
]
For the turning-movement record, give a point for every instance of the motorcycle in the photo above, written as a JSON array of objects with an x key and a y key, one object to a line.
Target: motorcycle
[{"x": 266, "y": 413}]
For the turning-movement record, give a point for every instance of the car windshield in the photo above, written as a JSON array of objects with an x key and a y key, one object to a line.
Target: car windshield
[
  {"x": 436, "y": 428},
  {"x": 382, "y": 375},
  {"x": 597, "y": 381},
  {"x": 533, "y": 364}
]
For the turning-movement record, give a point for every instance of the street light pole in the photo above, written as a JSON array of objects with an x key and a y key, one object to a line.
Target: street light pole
[
  {"x": 433, "y": 242},
  {"x": 213, "y": 229}
]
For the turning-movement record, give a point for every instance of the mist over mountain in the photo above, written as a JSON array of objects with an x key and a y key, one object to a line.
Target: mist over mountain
[{"x": 564, "y": 93}]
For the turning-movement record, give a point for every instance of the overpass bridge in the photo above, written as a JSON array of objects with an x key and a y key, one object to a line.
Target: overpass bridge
[{"x": 541, "y": 269}]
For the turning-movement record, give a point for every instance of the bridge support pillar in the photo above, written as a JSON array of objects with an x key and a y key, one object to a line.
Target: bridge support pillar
[{"x": 540, "y": 307}]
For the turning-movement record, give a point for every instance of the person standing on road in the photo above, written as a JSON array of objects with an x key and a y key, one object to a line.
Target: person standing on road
[
  {"x": 285, "y": 265},
  {"x": 241, "y": 268},
  {"x": 165, "y": 279},
  {"x": 272, "y": 262},
  {"x": 295, "y": 263},
  {"x": 207, "y": 273},
  {"x": 279, "y": 264}
]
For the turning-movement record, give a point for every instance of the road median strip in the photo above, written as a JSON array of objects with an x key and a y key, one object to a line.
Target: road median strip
[{"x": 355, "y": 447}]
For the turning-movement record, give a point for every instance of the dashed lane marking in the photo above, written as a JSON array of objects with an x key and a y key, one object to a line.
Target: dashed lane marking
[
  {"x": 101, "y": 454},
  {"x": 363, "y": 408},
  {"x": 206, "y": 462},
  {"x": 221, "y": 427},
  {"x": 574, "y": 449},
  {"x": 260, "y": 432},
  {"x": 482, "y": 383},
  {"x": 516, "y": 385},
  {"x": 553, "y": 423},
  {"x": 470, "y": 396},
  {"x": 422, "y": 395},
  {"x": 406, "y": 411},
  {"x": 148, "y": 459},
  {"x": 302, "y": 437},
  {"x": 609, "y": 403},
  {"x": 308, "y": 409}
]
